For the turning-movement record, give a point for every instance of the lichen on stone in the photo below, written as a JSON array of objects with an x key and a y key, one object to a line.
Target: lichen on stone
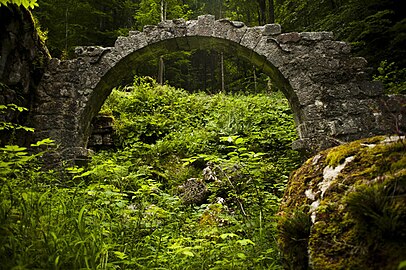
[{"x": 358, "y": 213}]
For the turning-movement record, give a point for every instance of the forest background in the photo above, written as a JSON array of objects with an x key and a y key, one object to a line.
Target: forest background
[{"x": 376, "y": 29}]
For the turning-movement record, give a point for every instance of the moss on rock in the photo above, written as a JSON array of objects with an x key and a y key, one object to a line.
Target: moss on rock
[{"x": 357, "y": 213}]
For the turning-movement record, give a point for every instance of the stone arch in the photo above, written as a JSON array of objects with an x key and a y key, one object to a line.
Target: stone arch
[{"x": 328, "y": 89}]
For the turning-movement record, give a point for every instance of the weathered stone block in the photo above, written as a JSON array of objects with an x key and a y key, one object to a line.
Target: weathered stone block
[
  {"x": 191, "y": 28},
  {"x": 108, "y": 140},
  {"x": 341, "y": 91},
  {"x": 91, "y": 51},
  {"x": 133, "y": 33},
  {"x": 95, "y": 140},
  {"x": 51, "y": 106},
  {"x": 180, "y": 28},
  {"x": 308, "y": 94},
  {"x": 205, "y": 25},
  {"x": 49, "y": 122},
  {"x": 180, "y": 22},
  {"x": 67, "y": 65},
  {"x": 149, "y": 28},
  {"x": 135, "y": 42},
  {"x": 272, "y": 29},
  {"x": 272, "y": 52},
  {"x": 236, "y": 34},
  {"x": 371, "y": 88},
  {"x": 301, "y": 144},
  {"x": 316, "y": 62},
  {"x": 314, "y": 36},
  {"x": 333, "y": 47},
  {"x": 207, "y": 19},
  {"x": 76, "y": 152},
  {"x": 153, "y": 34},
  {"x": 343, "y": 126},
  {"x": 331, "y": 76},
  {"x": 251, "y": 37},
  {"x": 222, "y": 28},
  {"x": 166, "y": 24},
  {"x": 288, "y": 37},
  {"x": 312, "y": 128},
  {"x": 357, "y": 63}
]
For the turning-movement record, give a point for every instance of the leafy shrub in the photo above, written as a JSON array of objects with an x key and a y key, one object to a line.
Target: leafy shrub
[
  {"x": 393, "y": 78},
  {"x": 124, "y": 211}
]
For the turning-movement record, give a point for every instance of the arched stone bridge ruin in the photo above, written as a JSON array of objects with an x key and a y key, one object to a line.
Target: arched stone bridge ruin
[{"x": 327, "y": 88}]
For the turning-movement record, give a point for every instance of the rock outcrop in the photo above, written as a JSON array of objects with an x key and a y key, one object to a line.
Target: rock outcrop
[
  {"x": 345, "y": 208},
  {"x": 23, "y": 58}
]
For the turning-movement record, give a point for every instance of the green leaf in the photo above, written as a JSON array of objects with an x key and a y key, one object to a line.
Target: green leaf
[
  {"x": 402, "y": 265},
  {"x": 80, "y": 217},
  {"x": 86, "y": 173},
  {"x": 28, "y": 129},
  {"x": 46, "y": 141},
  {"x": 241, "y": 256},
  {"x": 245, "y": 242},
  {"x": 228, "y": 235},
  {"x": 13, "y": 148},
  {"x": 188, "y": 253},
  {"x": 56, "y": 261},
  {"x": 121, "y": 255}
]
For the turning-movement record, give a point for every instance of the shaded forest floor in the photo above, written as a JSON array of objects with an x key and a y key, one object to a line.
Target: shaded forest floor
[{"x": 194, "y": 182}]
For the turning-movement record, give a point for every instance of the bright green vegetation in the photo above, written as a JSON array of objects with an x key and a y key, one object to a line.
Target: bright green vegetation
[
  {"x": 126, "y": 210},
  {"x": 25, "y": 3}
]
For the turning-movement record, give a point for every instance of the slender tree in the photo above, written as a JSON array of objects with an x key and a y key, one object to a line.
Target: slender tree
[{"x": 271, "y": 11}]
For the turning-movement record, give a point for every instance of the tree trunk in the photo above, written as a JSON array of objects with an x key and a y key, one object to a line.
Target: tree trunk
[
  {"x": 220, "y": 9},
  {"x": 161, "y": 71},
  {"x": 271, "y": 11},
  {"x": 222, "y": 72},
  {"x": 262, "y": 12},
  {"x": 163, "y": 10},
  {"x": 161, "y": 59}
]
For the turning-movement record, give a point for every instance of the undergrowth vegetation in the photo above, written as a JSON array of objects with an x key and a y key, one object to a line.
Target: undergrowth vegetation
[{"x": 129, "y": 208}]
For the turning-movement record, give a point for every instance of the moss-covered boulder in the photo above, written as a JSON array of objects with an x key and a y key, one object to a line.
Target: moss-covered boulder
[{"x": 345, "y": 208}]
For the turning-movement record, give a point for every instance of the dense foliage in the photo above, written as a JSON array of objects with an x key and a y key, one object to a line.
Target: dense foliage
[{"x": 127, "y": 209}]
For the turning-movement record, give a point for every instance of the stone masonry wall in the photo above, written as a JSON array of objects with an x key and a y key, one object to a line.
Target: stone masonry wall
[
  {"x": 101, "y": 136},
  {"x": 331, "y": 96}
]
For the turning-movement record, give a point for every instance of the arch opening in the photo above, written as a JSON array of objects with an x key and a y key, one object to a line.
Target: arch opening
[{"x": 123, "y": 71}]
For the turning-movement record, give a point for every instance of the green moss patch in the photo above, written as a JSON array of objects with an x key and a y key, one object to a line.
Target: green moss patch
[{"x": 360, "y": 221}]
